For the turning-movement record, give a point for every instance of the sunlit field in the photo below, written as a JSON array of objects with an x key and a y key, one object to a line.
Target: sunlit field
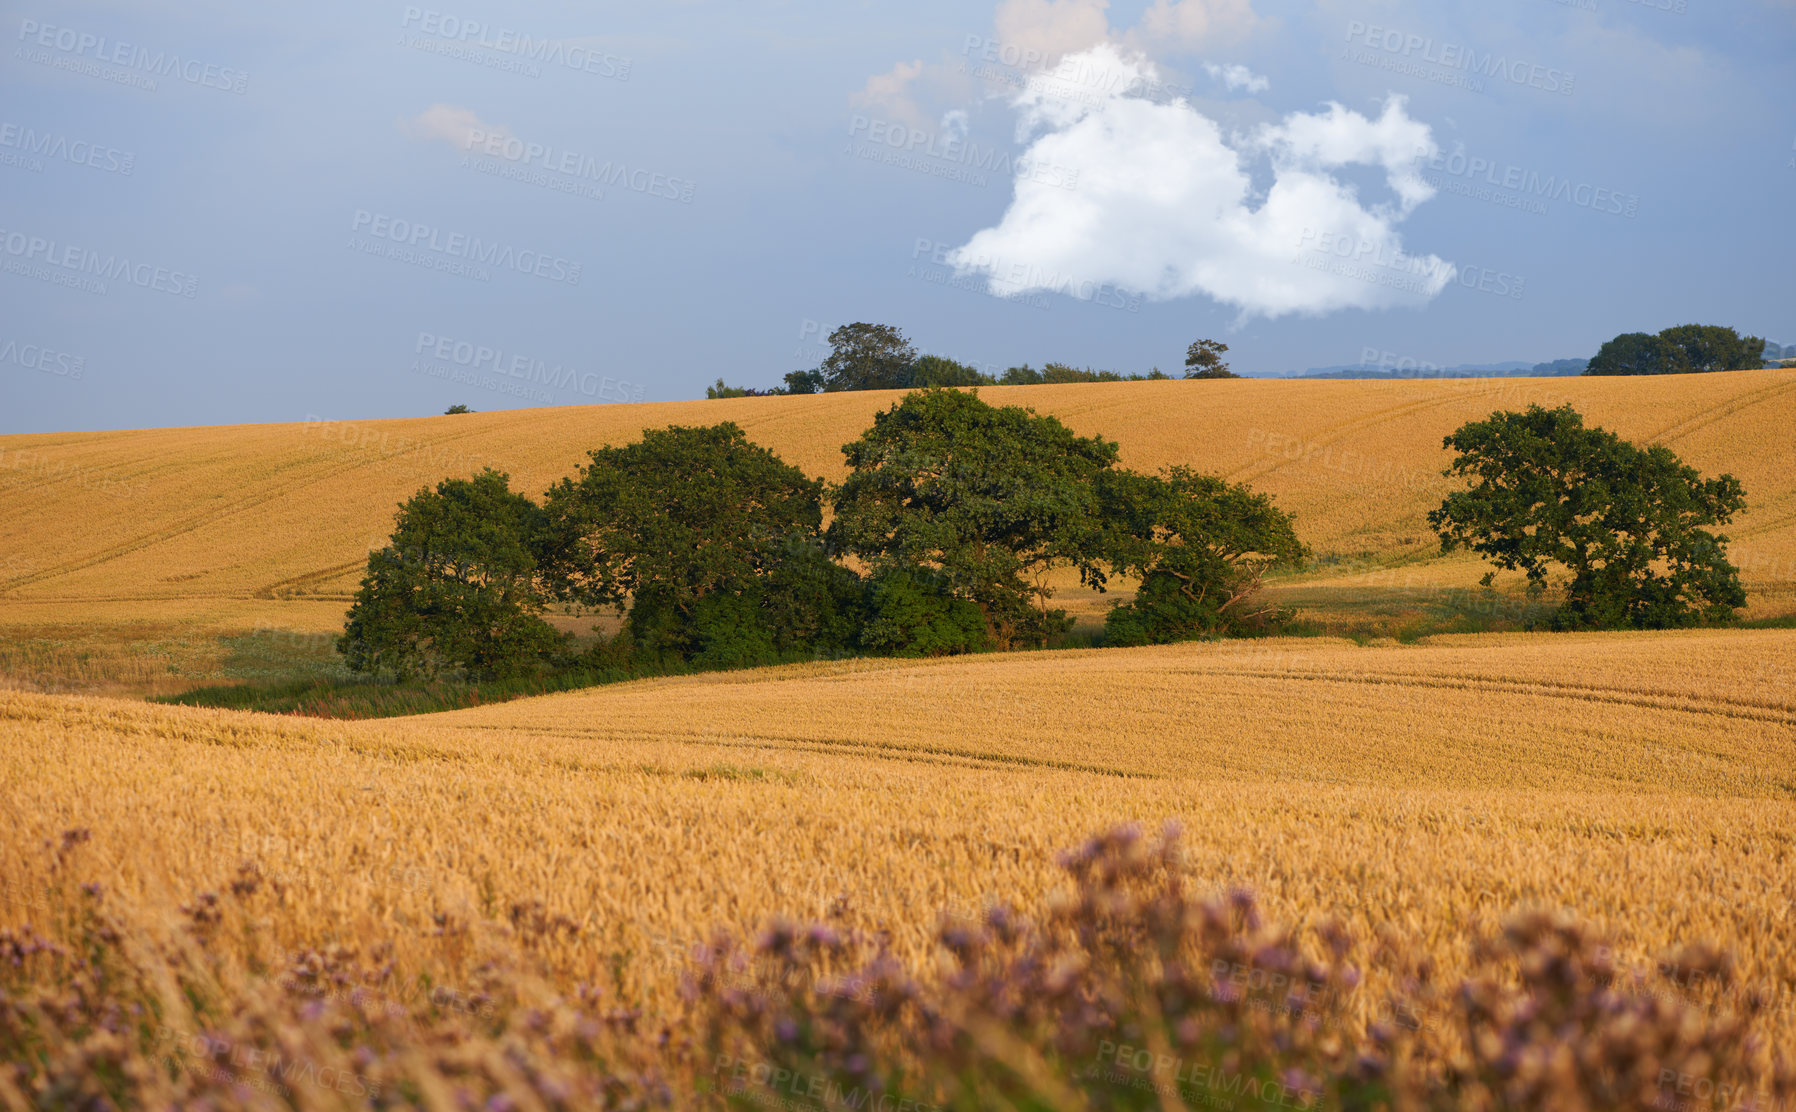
[
  {"x": 114, "y": 543},
  {"x": 424, "y": 903},
  {"x": 1644, "y": 784}
]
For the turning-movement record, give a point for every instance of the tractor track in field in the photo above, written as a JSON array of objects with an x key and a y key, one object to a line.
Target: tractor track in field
[
  {"x": 195, "y": 522},
  {"x": 1330, "y": 434},
  {"x": 1705, "y": 417},
  {"x": 925, "y": 754},
  {"x": 1719, "y": 706}
]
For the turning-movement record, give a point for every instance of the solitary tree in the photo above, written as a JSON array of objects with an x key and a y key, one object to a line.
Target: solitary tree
[
  {"x": 976, "y": 503},
  {"x": 454, "y": 409},
  {"x": 1627, "y": 524},
  {"x": 1203, "y": 359},
  {"x": 712, "y": 542},
  {"x": 868, "y": 357},
  {"x": 455, "y": 589},
  {"x": 1201, "y": 548}
]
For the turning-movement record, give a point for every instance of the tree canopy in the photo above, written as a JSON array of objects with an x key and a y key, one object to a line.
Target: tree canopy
[
  {"x": 1685, "y": 349},
  {"x": 867, "y": 357},
  {"x": 455, "y": 589},
  {"x": 1201, "y": 548},
  {"x": 1627, "y": 524},
  {"x": 712, "y": 550},
  {"x": 712, "y": 540},
  {"x": 1203, "y": 359},
  {"x": 982, "y": 500}
]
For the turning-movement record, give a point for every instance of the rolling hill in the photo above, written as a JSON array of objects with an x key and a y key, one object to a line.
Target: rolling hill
[{"x": 169, "y": 539}]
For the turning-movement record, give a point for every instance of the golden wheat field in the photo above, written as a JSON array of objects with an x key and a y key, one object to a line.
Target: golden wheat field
[
  {"x": 269, "y": 512},
  {"x": 1645, "y": 783}
]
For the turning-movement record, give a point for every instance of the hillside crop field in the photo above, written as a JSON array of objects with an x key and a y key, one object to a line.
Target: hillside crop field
[
  {"x": 139, "y": 550},
  {"x": 1645, "y": 784},
  {"x": 576, "y": 847}
]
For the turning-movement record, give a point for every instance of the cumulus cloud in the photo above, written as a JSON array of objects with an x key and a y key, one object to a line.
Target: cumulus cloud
[
  {"x": 459, "y": 127},
  {"x": 1237, "y": 77},
  {"x": 1165, "y": 207}
]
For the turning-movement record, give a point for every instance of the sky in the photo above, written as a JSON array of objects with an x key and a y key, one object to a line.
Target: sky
[{"x": 219, "y": 213}]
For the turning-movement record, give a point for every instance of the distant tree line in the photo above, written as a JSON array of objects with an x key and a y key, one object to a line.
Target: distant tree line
[
  {"x": 713, "y": 551},
  {"x": 1685, "y": 349},
  {"x": 878, "y": 357}
]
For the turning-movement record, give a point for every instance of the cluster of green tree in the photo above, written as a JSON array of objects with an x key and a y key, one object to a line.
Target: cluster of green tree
[
  {"x": 1685, "y": 349},
  {"x": 944, "y": 534},
  {"x": 713, "y": 551},
  {"x": 878, "y": 357}
]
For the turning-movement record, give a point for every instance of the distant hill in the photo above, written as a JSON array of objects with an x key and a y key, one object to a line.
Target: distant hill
[{"x": 1558, "y": 368}]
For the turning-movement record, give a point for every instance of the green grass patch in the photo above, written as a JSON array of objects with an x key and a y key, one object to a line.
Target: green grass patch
[{"x": 352, "y": 698}]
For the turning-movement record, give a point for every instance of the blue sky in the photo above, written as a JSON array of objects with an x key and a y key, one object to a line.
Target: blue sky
[{"x": 219, "y": 213}]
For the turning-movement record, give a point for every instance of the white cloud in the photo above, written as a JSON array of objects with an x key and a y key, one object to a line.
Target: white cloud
[
  {"x": 459, "y": 127},
  {"x": 1164, "y": 206},
  {"x": 1237, "y": 77}
]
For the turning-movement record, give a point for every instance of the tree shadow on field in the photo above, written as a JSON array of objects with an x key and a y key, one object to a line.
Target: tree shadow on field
[{"x": 1407, "y": 614}]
